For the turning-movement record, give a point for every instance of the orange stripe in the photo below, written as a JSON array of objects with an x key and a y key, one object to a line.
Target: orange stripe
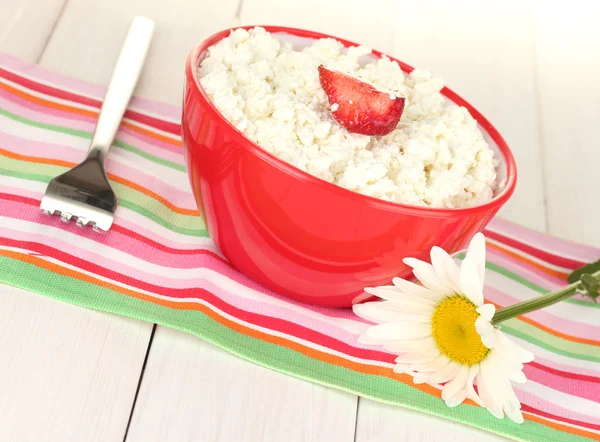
[
  {"x": 312, "y": 353},
  {"x": 552, "y": 331},
  {"x": 113, "y": 177},
  {"x": 315, "y": 354},
  {"x": 195, "y": 212},
  {"x": 518, "y": 257},
  {"x": 85, "y": 112},
  {"x": 561, "y": 427}
]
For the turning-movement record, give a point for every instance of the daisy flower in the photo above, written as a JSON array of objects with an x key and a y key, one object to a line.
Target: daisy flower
[{"x": 443, "y": 333}]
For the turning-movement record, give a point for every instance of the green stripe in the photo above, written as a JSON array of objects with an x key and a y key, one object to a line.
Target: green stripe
[
  {"x": 517, "y": 278},
  {"x": 541, "y": 338},
  {"x": 280, "y": 358},
  {"x": 192, "y": 225},
  {"x": 88, "y": 136},
  {"x": 510, "y": 275}
]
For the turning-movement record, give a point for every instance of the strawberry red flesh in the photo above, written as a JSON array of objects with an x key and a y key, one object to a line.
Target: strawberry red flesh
[{"x": 358, "y": 106}]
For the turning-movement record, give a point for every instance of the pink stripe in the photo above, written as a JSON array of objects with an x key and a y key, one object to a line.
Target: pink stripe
[
  {"x": 551, "y": 244},
  {"x": 327, "y": 325},
  {"x": 544, "y": 317},
  {"x": 575, "y": 387},
  {"x": 141, "y": 230},
  {"x": 46, "y": 115},
  {"x": 538, "y": 403},
  {"x": 37, "y": 73},
  {"x": 531, "y": 274},
  {"x": 567, "y": 368},
  {"x": 49, "y": 115},
  {"x": 23, "y": 192},
  {"x": 115, "y": 240},
  {"x": 178, "y": 197}
]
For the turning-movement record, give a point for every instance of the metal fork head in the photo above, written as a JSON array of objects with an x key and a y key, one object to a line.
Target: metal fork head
[{"x": 82, "y": 193}]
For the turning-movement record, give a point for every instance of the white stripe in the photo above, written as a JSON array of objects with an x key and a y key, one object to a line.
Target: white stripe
[
  {"x": 503, "y": 232},
  {"x": 563, "y": 310},
  {"x": 557, "y": 358},
  {"x": 91, "y": 108},
  {"x": 164, "y": 174},
  {"x": 528, "y": 256},
  {"x": 189, "y": 275},
  {"x": 567, "y": 424},
  {"x": 24, "y": 184},
  {"x": 128, "y": 159},
  {"x": 584, "y": 406},
  {"x": 32, "y": 133},
  {"x": 221, "y": 313},
  {"x": 183, "y": 242}
]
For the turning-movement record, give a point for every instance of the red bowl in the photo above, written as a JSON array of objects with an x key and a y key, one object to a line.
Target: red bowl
[{"x": 297, "y": 234}]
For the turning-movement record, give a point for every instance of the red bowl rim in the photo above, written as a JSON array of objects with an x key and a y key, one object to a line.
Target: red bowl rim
[{"x": 241, "y": 139}]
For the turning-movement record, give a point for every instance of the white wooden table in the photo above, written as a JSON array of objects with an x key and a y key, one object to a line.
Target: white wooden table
[{"x": 70, "y": 374}]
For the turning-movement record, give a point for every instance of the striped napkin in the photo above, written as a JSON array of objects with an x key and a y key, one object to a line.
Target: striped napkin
[{"x": 158, "y": 264}]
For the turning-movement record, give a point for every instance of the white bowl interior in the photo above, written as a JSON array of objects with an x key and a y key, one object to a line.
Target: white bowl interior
[{"x": 300, "y": 43}]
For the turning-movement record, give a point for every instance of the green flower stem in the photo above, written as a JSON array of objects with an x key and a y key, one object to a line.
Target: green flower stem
[{"x": 531, "y": 305}]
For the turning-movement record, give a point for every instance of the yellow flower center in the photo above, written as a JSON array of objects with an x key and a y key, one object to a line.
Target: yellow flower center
[{"x": 453, "y": 328}]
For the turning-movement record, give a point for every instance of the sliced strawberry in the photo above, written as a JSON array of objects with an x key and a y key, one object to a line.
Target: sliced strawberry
[{"x": 358, "y": 106}]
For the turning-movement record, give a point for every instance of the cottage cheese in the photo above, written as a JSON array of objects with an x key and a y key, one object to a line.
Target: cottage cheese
[{"x": 436, "y": 157}]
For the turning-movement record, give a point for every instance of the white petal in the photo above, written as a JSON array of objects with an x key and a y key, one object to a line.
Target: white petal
[
  {"x": 487, "y": 311},
  {"x": 381, "y": 312},
  {"x": 519, "y": 352},
  {"x": 426, "y": 274},
  {"x": 469, "y": 282},
  {"x": 418, "y": 358},
  {"x": 417, "y": 290},
  {"x": 409, "y": 307},
  {"x": 457, "y": 399},
  {"x": 367, "y": 340},
  {"x": 401, "y": 368},
  {"x": 488, "y": 387},
  {"x": 456, "y": 384},
  {"x": 445, "y": 268},
  {"x": 410, "y": 345},
  {"x": 446, "y": 373},
  {"x": 476, "y": 253},
  {"x": 431, "y": 367},
  {"x": 486, "y": 331},
  {"x": 393, "y": 294},
  {"x": 421, "y": 378},
  {"x": 399, "y": 330},
  {"x": 517, "y": 376},
  {"x": 471, "y": 393},
  {"x": 515, "y": 415},
  {"x": 510, "y": 398}
]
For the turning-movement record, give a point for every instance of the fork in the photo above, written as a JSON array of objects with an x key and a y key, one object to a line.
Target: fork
[{"x": 84, "y": 193}]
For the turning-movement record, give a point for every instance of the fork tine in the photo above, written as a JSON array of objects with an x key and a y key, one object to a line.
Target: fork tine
[{"x": 84, "y": 193}]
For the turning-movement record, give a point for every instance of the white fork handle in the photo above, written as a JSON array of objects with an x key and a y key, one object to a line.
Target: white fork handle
[{"x": 121, "y": 86}]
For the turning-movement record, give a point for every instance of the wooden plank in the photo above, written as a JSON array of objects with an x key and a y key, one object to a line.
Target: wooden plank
[
  {"x": 397, "y": 423},
  {"x": 200, "y": 377},
  {"x": 485, "y": 53},
  {"x": 91, "y": 32},
  {"x": 382, "y": 423},
  {"x": 26, "y": 25},
  {"x": 568, "y": 68},
  {"x": 469, "y": 45},
  {"x": 372, "y": 25},
  {"x": 67, "y": 373},
  {"x": 194, "y": 391}
]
